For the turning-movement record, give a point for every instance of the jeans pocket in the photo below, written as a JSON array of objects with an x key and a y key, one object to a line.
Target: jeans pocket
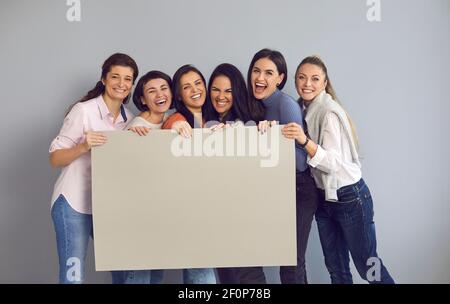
[
  {"x": 348, "y": 197},
  {"x": 368, "y": 205}
]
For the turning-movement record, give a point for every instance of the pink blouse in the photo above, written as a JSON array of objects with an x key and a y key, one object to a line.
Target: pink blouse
[{"x": 75, "y": 179}]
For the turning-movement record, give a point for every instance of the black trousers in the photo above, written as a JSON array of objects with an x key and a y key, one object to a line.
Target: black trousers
[
  {"x": 241, "y": 275},
  {"x": 307, "y": 201}
]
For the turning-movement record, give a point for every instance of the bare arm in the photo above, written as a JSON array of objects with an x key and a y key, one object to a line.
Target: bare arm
[{"x": 63, "y": 157}]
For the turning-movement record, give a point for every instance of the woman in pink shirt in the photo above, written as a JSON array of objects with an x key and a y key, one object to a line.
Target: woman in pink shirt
[{"x": 100, "y": 110}]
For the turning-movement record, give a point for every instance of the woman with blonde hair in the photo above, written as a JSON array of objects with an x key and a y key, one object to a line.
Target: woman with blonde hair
[{"x": 345, "y": 212}]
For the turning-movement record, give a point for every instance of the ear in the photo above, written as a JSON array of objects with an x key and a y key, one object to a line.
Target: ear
[
  {"x": 326, "y": 83},
  {"x": 280, "y": 78},
  {"x": 143, "y": 101}
]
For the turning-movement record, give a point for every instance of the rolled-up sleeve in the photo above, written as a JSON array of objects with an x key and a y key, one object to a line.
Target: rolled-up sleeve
[{"x": 72, "y": 131}]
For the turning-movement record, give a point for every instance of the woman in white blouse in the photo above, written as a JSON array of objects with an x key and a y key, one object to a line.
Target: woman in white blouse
[{"x": 345, "y": 212}]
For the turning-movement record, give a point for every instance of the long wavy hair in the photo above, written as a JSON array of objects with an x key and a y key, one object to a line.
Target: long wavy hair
[
  {"x": 177, "y": 99},
  {"x": 239, "y": 109},
  {"x": 317, "y": 61}
]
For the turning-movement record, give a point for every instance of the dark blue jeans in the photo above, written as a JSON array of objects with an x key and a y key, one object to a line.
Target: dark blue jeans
[{"x": 347, "y": 226}]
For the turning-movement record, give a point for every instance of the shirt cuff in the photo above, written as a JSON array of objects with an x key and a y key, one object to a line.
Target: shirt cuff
[
  {"x": 317, "y": 158},
  {"x": 61, "y": 142}
]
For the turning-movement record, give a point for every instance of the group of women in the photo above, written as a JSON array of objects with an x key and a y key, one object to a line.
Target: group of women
[{"x": 329, "y": 182}]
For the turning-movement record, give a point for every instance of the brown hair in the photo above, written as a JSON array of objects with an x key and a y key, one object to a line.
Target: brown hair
[{"x": 113, "y": 60}]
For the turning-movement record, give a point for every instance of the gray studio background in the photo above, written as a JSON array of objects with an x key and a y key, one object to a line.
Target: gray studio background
[{"x": 392, "y": 77}]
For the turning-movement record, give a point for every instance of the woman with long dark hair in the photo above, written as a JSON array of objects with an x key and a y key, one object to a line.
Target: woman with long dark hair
[
  {"x": 228, "y": 95},
  {"x": 190, "y": 98},
  {"x": 101, "y": 109},
  {"x": 229, "y": 99},
  {"x": 191, "y": 101},
  {"x": 266, "y": 78}
]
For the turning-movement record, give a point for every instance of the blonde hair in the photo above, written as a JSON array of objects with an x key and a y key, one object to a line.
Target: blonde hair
[{"x": 317, "y": 61}]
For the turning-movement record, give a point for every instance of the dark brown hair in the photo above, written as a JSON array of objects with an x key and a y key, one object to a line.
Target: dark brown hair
[{"x": 113, "y": 60}]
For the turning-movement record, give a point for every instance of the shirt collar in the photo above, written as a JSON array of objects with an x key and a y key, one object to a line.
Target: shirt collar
[{"x": 104, "y": 111}]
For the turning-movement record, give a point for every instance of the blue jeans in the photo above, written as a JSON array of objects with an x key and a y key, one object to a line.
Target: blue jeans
[
  {"x": 137, "y": 277},
  {"x": 73, "y": 230},
  {"x": 199, "y": 276},
  {"x": 347, "y": 226},
  {"x": 190, "y": 276}
]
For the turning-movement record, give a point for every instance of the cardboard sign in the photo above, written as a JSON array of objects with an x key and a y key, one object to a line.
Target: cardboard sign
[{"x": 219, "y": 199}]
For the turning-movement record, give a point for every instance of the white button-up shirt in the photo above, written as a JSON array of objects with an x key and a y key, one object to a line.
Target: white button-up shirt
[{"x": 334, "y": 155}]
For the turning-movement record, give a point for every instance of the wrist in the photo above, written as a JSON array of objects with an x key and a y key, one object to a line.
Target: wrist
[
  {"x": 84, "y": 147},
  {"x": 303, "y": 142}
]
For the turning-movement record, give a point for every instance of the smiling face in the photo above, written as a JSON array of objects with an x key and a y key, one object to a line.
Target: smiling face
[
  {"x": 192, "y": 91},
  {"x": 221, "y": 95},
  {"x": 157, "y": 96},
  {"x": 310, "y": 81},
  {"x": 265, "y": 78},
  {"x": 118, "y": 83}
]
